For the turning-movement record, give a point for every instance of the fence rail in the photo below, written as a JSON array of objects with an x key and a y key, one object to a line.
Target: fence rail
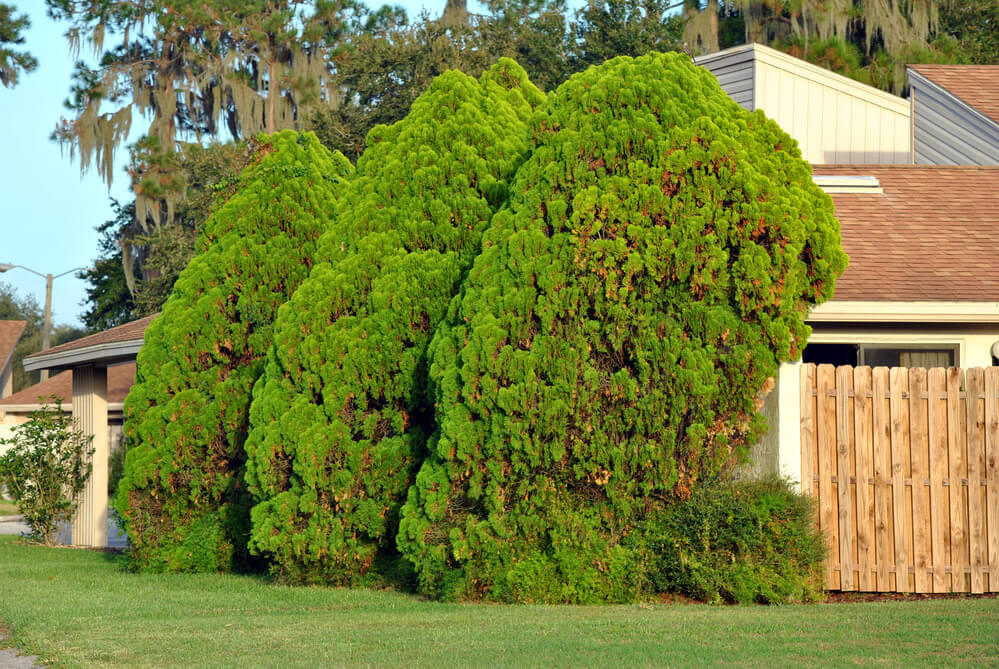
[{"x": 904, "y": 463}]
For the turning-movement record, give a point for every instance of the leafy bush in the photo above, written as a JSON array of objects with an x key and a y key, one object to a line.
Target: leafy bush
[
  {"x": 745, "y": 542},
  {"x": 341, "y": 414},
  {"x": 656, "y": 262},
  {"x": 182, "y": 497},
  {"x": 46, "y": 469}
]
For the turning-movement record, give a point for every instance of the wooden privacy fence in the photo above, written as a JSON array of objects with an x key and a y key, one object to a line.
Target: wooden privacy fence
[{"x": 904, "y": 464}]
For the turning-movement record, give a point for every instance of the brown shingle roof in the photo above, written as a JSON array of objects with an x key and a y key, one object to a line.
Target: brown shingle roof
[
  {"x": 127, "y": 332},
  {"x": 120, "y": 379},
  {"x": 933, "y": 235},
  {"x": 10, "y": 332},
  {"x": 975, "y": 85}
]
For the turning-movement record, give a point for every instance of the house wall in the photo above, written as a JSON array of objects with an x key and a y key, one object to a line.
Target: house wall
[
  {"x": 834, "y": 119},
  {"x": 946, "y": 131}
]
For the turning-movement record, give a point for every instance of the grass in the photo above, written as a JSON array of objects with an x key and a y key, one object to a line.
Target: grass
[{"x": 80, "y": 608}]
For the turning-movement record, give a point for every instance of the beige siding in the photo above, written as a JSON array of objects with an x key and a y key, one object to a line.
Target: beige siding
[{"x": 834, "y": 119}]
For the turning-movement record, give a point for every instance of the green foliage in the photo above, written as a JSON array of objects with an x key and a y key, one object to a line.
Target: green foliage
[
  {"x": 340, "y": 417},
  {"x": 657, "y": 260},
  {"x": 384, "y": 72},
  {"x": 605, "y": 29},
  {"x": 746, "y": 542},
  {"x": 45, "y": 469},
  {"x": 181, "y": 497},
  {"x": 109, "y": 301},
  {"x": 116, "y": 468},
  {"x": 13, "y": 307},
  {"x": 975, "y": 26},
  {"x": 13, "y": 63},
  {"x": 138, "y": 263}
]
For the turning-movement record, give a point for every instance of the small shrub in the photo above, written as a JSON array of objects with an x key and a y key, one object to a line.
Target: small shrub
[
  {"x": 745, "y": 542},
  {"x": 46, "y": 469}
]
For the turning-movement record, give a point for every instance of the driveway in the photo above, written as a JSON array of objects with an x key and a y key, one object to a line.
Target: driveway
[{"x": 15, "y": 525}]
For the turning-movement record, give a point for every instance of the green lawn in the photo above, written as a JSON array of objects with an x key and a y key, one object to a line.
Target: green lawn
[
  {"x": 7, "y": 508},
  {"x": 80, "y": 608}
]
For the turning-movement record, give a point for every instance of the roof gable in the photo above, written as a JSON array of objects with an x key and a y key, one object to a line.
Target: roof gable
[
  {"x": 975, "y": 85},
  {"x": 10, "y": 333}
]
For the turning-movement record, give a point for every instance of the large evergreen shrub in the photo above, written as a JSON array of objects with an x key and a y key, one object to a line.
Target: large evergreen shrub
[
  {"x": 614, "y": 337},
  {"x": 182, "y": 498},
  {"x": 341, "y": 415}
]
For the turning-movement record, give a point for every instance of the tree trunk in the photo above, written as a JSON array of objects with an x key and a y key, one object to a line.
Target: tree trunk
[{"x": 271, "y": 96}]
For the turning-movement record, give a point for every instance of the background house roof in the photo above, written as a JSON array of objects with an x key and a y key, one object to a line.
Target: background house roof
[
  {"x": 932, "y": 235},
  {"x": 119, "y": 344},
  {"x": 120, "y": 380},
  {"x": 975, "y": 85},
  {"x": 10, "y": 333}
]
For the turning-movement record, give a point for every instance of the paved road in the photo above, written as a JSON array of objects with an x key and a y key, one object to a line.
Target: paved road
[
  {"x": 14, "y": 525},
  {"x": 10, "y": 659}
]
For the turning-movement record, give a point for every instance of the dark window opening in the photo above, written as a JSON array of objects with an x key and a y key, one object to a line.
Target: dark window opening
[
  {"x": 831, "y": 354},
  {"x": 878, "y": 355}
]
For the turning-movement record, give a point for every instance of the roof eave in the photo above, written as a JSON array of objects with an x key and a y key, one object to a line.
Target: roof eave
[
  {"x": 67, "y": 407},
  {"x": 856, "y": 311},
  {"x": 101, "y": 354}
]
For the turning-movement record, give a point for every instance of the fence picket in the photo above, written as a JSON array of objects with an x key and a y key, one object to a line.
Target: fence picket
[
  {"x": 825, "y": 409},
  {"x": 976, "y": 446},
  {"x": 844, "y": 435},
  {"x": 939, "y": 504},
  {"x": 992, "y": 472},
  {"x": 865, "y": 469},
  {"x": 899, "y": 387},
  {"x": 881, "y": 420},
  {"x": 957, "y": 470},
  {"x": 808, "y": 469},
  {"x": 919, "y": 472}
]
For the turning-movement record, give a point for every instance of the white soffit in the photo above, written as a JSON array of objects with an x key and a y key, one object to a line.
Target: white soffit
[
  {"x": 837, "y": 183},
  {"x": 847, "y": 311}
]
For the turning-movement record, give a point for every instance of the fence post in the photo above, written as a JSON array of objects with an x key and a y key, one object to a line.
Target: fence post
[{"x": 789, "y": 423}]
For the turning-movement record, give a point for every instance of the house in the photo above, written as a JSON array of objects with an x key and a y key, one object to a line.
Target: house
[
  {"x": 17, "y": 408},
  {"x": 95, "y": 385},
  {"x": 10, "y": 333},
  {"x": 955, "y": 114},
  {"x": 921, "y": 290},
  {"x": 835, "y": 119}
]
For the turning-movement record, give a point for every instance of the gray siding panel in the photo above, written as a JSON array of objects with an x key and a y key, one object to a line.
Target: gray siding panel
[
  {"x": 735, "y": 75},
  {"x": 947, "y": 132}
]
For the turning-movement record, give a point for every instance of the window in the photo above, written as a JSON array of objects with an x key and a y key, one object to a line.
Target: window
[{"x": 882, "y": 355}]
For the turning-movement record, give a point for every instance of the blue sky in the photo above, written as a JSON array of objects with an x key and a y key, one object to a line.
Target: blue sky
[{"x": 48, "y": 212}]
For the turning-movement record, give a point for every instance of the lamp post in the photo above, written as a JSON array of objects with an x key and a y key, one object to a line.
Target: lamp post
[{"x": 47, "y": 318}]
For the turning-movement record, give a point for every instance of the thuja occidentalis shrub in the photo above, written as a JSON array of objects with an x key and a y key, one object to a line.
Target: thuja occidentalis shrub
[
  {"x": 656, "y": 261},
  {"x": 340, "y": 418},
  {"x": 182, "y": 497}
]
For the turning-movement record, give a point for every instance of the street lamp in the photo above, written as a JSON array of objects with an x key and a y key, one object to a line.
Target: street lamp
[{"x": 47, "y": 321}]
